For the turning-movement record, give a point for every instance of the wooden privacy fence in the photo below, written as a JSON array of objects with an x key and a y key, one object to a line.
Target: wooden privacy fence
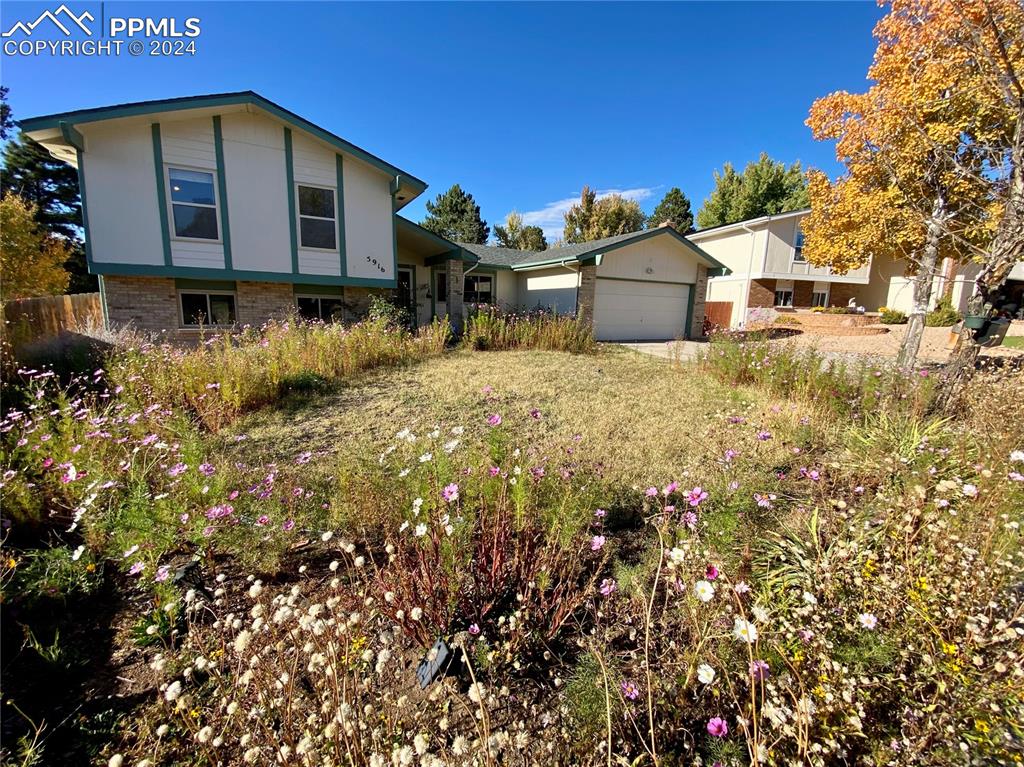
[
  {"x": 34, "y": 319},
  {"x": 718, "y": 313}
]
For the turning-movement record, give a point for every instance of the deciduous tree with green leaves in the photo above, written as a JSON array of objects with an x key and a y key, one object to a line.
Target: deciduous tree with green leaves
[
  {"x": 514, "y": 234},
  {"x": 593, "y": 218},
  {"x": 31, "y": 259},
  {"x": 764, "y": 188},
  {"x": 674, "y": 208},
  {"x": 455, "y": 215}
]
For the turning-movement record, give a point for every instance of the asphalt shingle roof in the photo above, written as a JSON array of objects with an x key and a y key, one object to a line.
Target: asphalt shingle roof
[{"x": 490, "y": 255}]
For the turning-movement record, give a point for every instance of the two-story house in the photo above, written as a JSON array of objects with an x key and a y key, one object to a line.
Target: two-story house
[
  {"x": 228, "y": 209},
  {"x": 768, "y": 273}
]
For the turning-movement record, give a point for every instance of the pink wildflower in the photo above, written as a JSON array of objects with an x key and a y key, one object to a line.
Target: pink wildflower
[
  {"x": 450, "y": 493},
  {"x": 597, "y": 542},
  {"x": 630, "y": 691},
  {"x": 696, "y": 495},
  {"x": 494, "y": 419},
  {"x": 608, "y": 587},
  {"x": 718, "y": 727}
]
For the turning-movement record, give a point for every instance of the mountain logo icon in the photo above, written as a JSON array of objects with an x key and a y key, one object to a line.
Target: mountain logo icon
[{"x": 70, "y": 20}]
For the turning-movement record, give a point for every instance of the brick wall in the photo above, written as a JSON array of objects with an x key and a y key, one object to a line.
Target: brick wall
[
  {"x": 145, "y": 303},
  {"x": 257, "y": 302},
  {"x": 696, "y": 329},
  {"x": 585, "y": 293},
  {"x": 357, "y": 301},
  {"x": 762, "y": 294},
  {"x": 802, "y": 290},
  {"x": 840, "y": 293}
]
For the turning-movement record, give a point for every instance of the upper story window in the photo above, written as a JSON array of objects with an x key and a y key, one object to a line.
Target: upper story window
[
  {"x": 798, "y": 247},
  {"x": 318, "y": 223},
  {"x": 193, "y": 204}
]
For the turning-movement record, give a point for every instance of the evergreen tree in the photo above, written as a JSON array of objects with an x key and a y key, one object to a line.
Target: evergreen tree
[
  {"x": 514, "y": 235},
  {"x": 50, "y": 186},
  {"x": 455, "y": 215},
  {"x": 675, "y": 209},
  {"x": 6, "y": 122},
  {"x": 764, "y": 188}
]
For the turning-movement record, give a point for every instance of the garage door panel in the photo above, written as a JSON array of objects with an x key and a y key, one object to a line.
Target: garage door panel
[{"x": 628, "y": 310}]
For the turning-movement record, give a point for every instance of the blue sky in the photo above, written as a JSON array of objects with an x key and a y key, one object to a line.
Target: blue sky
[{"x": 522, "y": 103}]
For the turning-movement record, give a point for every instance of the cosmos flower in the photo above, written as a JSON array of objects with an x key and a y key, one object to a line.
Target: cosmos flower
[
  {"x": 744, "y": 631},
  {"x": 608, "y": 587},
  {"x": 596, "y": 542},
  {"x": 630, "y": 690},
  {"x": 717, "y": 727},
  {"x": 867, "y": 620},
  {"x": 705, "y": 674},
  {"x": 450, "y": 493},
  {"x": 696, "y": 495},
  {"x": 494, "y": 419},
  {"x": 704, "y": 591}
]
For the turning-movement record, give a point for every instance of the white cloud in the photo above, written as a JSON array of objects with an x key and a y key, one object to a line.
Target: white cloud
[{"x": 551, "y": 218}]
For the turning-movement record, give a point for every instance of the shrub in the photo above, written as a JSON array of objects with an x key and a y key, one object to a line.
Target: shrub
[
  {"x": 943, "y": 315},
  {"x": 229, "y": 375},
  {"x": 785, "y": 319},
  {"x": 839, "y": 310},
  {"x": 491, "y": 329},
  {"x": 892, "y": 317}
]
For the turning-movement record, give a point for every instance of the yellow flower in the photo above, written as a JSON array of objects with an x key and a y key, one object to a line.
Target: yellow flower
[
  {"x": 981, "y": 725},
  {"x": 90, "y": 568},
  {"x": 949, "y": 648},
  {"x": 12, "y": 562}
]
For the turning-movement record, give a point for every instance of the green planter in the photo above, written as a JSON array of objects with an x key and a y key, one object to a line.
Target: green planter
[{"x": 975, "y": 322}]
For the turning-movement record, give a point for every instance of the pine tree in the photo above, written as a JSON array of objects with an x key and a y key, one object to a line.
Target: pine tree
[
  {"x": 674, "y": 208},
  {"x": 764, "y": 188},
  {"x": 455, "y": 215}
]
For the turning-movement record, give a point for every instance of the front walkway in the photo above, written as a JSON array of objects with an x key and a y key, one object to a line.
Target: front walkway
[{"x": 678, "y": 350}]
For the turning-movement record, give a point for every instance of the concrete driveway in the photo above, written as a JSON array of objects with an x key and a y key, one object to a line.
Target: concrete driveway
[{"x": 681, "y": 350}]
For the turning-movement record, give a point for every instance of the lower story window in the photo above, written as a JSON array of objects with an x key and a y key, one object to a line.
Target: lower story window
[
  {"x": 207, "y": 308},
  {"x": 479, "y": 289},
  {"x": 784, "y": 297},
  {"x": 819, "y": 298},
  {"x": 324, "y": 308}
]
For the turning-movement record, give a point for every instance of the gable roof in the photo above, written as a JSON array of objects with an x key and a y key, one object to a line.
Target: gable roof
[
  {"x": 749, "y": 222},
  {"x": 64, "y": 120},
  {"x": 510, "y": 258}
]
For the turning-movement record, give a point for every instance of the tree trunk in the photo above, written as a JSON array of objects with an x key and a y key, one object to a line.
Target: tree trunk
[
  {"x": 1006, "y": 250},
  {"x": 923, "y": 281}
]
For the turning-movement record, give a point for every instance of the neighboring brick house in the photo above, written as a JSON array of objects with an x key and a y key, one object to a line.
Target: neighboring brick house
[
  {"x": 768, "y": 273},
  {"x": 228, "y": 210}
]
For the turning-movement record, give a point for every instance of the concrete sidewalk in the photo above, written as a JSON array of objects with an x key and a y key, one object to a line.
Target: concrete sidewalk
[{"x": 681, "y": 350}]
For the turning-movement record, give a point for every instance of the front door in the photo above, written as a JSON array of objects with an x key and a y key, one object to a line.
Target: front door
[{"x": 407, "y": 293}]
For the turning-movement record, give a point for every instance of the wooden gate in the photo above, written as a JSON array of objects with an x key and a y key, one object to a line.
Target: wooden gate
[{"x": 718, "y": 314}]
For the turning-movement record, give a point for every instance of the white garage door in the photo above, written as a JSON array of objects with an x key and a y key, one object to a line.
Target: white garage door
[{"x": 628, "y": 310}]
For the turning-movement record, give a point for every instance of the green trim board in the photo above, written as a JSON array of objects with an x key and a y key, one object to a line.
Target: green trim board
[
  {"x": 690, "y": 298},
  {"x": 161, "y": 193},
  {"x": 340, "y": 212},
  {"x": 222, "y": 191},
  {"x": 289, "y": 176},
  {"x": 72, "y": 136},
  {"x": 239, "y": 98},
  {"x": 85, "y": 209},
  {"x": 157, "y": 270},
  {"x": 394, "y": 240}
]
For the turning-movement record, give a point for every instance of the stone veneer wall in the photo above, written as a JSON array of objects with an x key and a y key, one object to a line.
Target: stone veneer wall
[
  {"x": 696, "y": 329},
  {"x": 586, "y": 293},
  {"x": 456, "y": 293}
]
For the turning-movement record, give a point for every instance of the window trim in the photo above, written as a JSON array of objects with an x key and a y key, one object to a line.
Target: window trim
[
  {"x": 826, "y": 292},
  {"x": 482, "y": 275},
  {"x": 321, "y": 297},
  {"x": 207, "y": 293},
  {"x": 798, "y": 245},
  {"x": 299, "y": 216},
  {"x": 175, "y": 237}
]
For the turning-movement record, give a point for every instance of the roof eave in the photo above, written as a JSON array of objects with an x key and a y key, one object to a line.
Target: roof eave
[{"x": 30, "y": 125}]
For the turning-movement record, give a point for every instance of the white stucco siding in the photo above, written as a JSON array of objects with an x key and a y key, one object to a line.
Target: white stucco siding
[
  {"x": 121, "y": 193},
  {"x": 257, "y": 187},
  {"x": 369, "y": 225},
  {"x": 660, "y": 258},
  {"x": 549, "y": 289}
]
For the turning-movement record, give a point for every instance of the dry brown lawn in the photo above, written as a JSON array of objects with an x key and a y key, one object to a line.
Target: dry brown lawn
[{"x": 642, "y": 417}]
